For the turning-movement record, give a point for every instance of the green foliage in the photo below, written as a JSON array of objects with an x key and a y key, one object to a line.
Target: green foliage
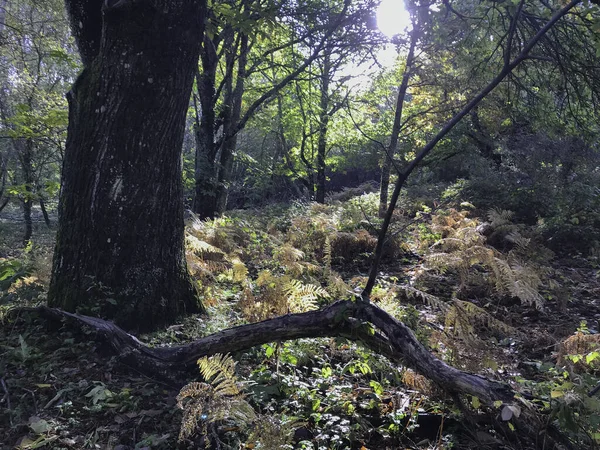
[{"x": 12, "y": 270}]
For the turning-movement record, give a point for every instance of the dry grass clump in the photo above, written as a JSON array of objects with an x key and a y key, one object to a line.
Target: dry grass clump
[{"x": 346, "y": 247}]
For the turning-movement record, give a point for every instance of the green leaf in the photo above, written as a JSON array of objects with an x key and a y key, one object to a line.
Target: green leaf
[
  {"x": 591, "y": 357},
  {"x": 269, "y": 351},
  {"x": 99, "y": 393},
  {"x": 39, "y": 426},
  {"x": 316, "y": 404},
  {"x": 377, "y": 387}
]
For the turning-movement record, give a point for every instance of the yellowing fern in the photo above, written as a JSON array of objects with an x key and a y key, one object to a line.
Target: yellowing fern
[
  {"x": 465, "y": 249},
  {"x": 219, "y": 398},
  {"x": 303, "y": 297},
  {"x": 203, "y": 248}
]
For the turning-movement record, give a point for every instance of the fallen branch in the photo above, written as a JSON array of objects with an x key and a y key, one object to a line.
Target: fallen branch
[{"x": 341, "y": 319}]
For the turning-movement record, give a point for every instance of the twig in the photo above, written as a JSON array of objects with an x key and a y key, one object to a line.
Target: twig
[
  {"x": 594, "y": 391},
  {"x": 7, "y": 397},
  {"x": 34, "y": 400}
]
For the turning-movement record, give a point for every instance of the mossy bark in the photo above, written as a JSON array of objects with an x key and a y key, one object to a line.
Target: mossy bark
[{"x": 120, "y": 242}]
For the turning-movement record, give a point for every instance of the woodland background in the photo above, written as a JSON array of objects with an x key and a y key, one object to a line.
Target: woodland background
[{"x": 303, "y": 124}]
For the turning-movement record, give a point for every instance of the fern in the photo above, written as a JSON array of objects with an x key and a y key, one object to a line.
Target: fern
[
  {"x": 463, "y": 319},
  {"x": 416, "y": 381},
  {"x": 327, "y": 253},
  {"x": 500, "y": 217},
  {"x": 303, "y": 297},
  {"x": 203, "y": 248},
  {"x": 428, "y": 299},
  {"x": 219, "y": 398},
  {"x": 466, "y": 249},
  {"x": 238, "y": 273},
  {"x": 336, "y": 286},
  {"x": 290, "y": 258},
  {"x": 219, "y": 370}
]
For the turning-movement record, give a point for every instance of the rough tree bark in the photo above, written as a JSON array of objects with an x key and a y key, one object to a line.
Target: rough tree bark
[
  {"x": 205, "y": 193},
  {"x": 120, "y": 241}
]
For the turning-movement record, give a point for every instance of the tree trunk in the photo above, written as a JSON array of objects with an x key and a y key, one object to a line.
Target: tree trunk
[
  {"x": 234, "y": 103},
  {"x": 26, "y": 203},
  {"x": 388, "y": 158},
  {"x": 26, "y": 159},
  {"x": 120, "y": 241},
  {"x": 45, "y": 212},
  {"x": 323, "y": 128},
  {"x": 205, "y": 195},
  {"x": 484, "y": 142},
  {"x": 3, "y": 173}
]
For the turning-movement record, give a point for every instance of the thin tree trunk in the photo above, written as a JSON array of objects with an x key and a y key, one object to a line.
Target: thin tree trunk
[
  {"x": 205, "y": 195},
  {"x": 323, "y": 128},
  {"x": 484, "y": 142},
  {"x": 120, "y": 240},
  {"x": 26, "y": 204},
  {"x": 392, "y": 148},
  {"x": 26, "y": 159},
  {"x": 234, "y": 99},
  {"x": 45, "y": 212}
]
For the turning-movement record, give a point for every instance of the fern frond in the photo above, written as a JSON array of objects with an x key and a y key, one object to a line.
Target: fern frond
[
  {"x": 302, "y": 297},
  {"x": 521, "y": 242},
  {"x": 443, "y": 261},
  {"x": 416, "y": 381},
  {"x": 218, "y": 367},
  {"x": 466, "y": 249},
  {"x": 428, "y": 299},
  {"x": 193, "y": 400},
  {"x": 288, "y": 254},
  {"x": 218, "y": 399},
  {"x": 239, "y": 271},
  {"x": 499, "y": 217},
  {"x": 463, "y": 318},
  {"x": 336, "y": 286},
  {"x": 202, "y": 248}
]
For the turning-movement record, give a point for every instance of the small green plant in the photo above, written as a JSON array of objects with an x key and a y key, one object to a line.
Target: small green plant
[{"x": 13, "y": 270}]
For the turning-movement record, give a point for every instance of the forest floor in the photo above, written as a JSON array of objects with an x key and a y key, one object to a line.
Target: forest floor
[{"x": 535, "y": 328}]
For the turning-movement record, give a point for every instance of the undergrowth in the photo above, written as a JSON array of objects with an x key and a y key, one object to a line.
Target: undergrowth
[{"x": 478, "y": 292}]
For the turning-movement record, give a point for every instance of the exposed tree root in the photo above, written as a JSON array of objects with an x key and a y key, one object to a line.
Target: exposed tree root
[{"x": 343, "y": 319}]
